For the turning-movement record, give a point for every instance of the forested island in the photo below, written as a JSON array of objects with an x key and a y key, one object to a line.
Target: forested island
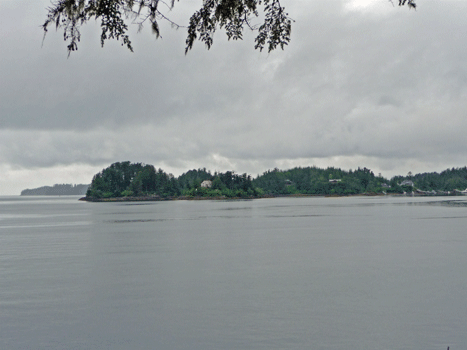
[
  {"x": 138, "y": 181},
  {"x": 57, "y": 190}
]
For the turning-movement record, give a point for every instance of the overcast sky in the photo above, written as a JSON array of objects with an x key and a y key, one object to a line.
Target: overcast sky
[{"x": 362, "y": 84}]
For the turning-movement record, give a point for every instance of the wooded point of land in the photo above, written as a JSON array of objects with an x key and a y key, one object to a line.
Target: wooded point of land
[{"x": 125, "y": 179}]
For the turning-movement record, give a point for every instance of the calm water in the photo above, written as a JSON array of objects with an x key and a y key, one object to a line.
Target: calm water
[{"x": 290, "y": 273}]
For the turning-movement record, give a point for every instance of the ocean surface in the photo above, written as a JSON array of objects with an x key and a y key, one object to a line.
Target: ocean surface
[{"x": 366, "y": 273}]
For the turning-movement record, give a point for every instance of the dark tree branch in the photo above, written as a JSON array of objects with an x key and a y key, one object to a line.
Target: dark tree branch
[{"x": 229, "y": 15}]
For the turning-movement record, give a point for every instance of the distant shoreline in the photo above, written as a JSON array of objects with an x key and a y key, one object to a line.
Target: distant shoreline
[
  {"x": 57, "y": 190},
  {"x": 223, "y": 198},
  {"x": 162, "y": 199}
]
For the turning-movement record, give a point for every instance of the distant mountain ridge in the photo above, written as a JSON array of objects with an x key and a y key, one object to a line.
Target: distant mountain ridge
[{"x": 57, "y": 190}]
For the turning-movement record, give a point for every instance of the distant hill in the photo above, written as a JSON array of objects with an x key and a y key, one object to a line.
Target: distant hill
[{"x": 57, "y": 190}]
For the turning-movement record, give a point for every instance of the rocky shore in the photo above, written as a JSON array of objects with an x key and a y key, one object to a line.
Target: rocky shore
[{"x": 158, "y": 198}]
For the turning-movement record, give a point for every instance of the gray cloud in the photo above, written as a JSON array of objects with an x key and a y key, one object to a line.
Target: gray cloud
[{"x": 383, "y": 86}]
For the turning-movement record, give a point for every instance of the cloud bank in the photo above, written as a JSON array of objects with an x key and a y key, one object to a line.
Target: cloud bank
[{"x": 361, "y": 84}]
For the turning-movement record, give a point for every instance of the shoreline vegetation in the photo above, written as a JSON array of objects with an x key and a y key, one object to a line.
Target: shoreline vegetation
[
  {"x": 129, "y": 182},
  {"x": 222, "y": 198},
  {"x": 219, "y": 198}
]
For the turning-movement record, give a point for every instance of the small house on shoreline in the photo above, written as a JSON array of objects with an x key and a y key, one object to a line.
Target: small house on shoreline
[{"x": 206, "y": 184}]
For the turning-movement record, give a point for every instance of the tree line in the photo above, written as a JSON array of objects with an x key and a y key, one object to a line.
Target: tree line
[
  {"x": 125, "y": 179},
  {"x": 56, "y": 190},
  {"x": 448, "y": 180},
  {"x": 313, "y": 180}
]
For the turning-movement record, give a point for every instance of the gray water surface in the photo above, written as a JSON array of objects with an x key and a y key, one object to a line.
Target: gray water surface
[{"x": 286, "y": 273}]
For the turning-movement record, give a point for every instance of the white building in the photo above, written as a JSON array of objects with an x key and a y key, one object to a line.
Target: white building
[{"x": 206, "y": 184}]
